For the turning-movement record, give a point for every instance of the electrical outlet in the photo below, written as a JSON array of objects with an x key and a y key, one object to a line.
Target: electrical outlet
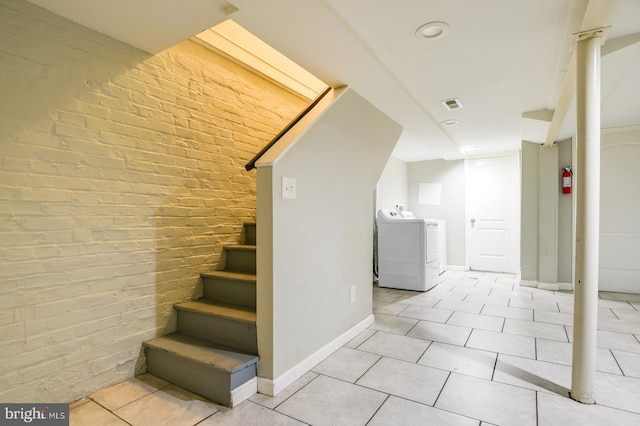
[{"x": 353, "y": 293}]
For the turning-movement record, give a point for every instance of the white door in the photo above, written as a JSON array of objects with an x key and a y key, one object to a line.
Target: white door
[{"x": 493, "y": 232}]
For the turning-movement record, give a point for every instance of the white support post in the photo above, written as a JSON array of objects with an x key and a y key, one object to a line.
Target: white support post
[{"x": 587, "y": 216}]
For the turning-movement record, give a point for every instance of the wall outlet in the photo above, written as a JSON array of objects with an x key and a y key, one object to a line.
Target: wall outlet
[{"x": 353, "y": 294}]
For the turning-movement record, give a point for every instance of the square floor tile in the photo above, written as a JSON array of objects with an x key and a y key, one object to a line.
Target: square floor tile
[
  {"x": 169, "y": 406},
  {"x": 535, "y": 329},
  {"x": 613, "y": 340},
  {"x": 531, "y": 374},
  {"x": 437, "y": 332},
  {"x": 452, "y": 305},
  {"x": 427, "y": 314},
  {"x": 488, "y": 401},
  {"x": 388, "y": 308},
  {"x": 128, "y": 391},
  {"x": 346, "y": 364},
  {"x": 395, "y": 346},
  {"x": 91, "y": 414},
  {"x": 458, "y": 359},
  {"x": 561, "y": 318},
  {"x": 554, "y": 410},
  {"x": 360, "y": 338},
  {"x": 510, "y": 344},
  {"x": 392, "y": 324},
  {"x": 507, "y": 312},
  {"x": 328, "y": 401},
  {"x": 629, "y": 363},
  {"x": 273, "y": 401},
  {"x": 495, "y": 299},
  {"x": 618, "y": 392},
  {"x": 543, "y": 305},
  {"x": 398, "y": 411},
  {"x": 484, "y": 322},
  {"x": 249, "y": 414},
  {"x": 421, "y": 300},
  {"x": 406, "y": 380},
  {"x": 560, "y": 353}
]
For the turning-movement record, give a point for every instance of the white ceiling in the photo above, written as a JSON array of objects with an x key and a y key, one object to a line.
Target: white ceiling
[{"x": 501, "y": 58}]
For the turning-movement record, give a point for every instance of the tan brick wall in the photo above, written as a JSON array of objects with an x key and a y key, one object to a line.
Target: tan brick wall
[{"x": 121, "y": 177}]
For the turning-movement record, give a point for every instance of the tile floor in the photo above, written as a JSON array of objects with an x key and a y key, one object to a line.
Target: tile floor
[{"x": 478, "y": 349}]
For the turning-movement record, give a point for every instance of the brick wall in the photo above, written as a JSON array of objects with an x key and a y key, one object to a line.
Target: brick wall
[{"x": 121, "y": 175}]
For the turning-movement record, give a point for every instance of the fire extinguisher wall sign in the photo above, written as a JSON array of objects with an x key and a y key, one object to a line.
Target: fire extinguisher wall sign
[{"x": 566, "y": 180}]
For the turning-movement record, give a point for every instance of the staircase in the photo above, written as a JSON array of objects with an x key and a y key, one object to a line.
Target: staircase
[{"x": 214, "y": 351}]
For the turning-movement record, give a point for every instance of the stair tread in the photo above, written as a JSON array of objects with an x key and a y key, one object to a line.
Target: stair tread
[
  {"x": 219, "y": 309},
  {"x": 203, "y": 351},
  {"x": 230, "y": 275},
  {"x": 247, "y": 247}
]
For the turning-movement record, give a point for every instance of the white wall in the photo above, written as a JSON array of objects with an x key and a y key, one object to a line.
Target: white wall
[
  {"x": 393, "y": 185},
  {"x": 314, "y": 248},
  {"x": 620, "y": 212},
  {"x": 451, "y": 175}
]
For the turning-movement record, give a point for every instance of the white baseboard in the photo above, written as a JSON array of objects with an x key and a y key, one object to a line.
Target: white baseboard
[
  {"x": 546, "y": 286},
  {"x": 272, "y": 387},
  {"x": 243, "y": 392},
  {"x": 456, "y": 268}
]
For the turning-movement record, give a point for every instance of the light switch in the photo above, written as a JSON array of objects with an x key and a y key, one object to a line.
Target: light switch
[{"x": 288, "y": 188}]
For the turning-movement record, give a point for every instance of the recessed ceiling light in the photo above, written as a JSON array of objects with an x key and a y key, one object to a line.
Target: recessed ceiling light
[
  {"x": 432, "y": 30},
  {"x": 469, "y": 148},
  {"x": 449, "y": 122}
]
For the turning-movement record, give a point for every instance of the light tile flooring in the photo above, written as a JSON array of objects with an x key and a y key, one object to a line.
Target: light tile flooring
[{"x": 478, "y": 349}]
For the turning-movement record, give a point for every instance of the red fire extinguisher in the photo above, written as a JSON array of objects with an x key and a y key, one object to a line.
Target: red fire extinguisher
[{"x": 566, "y": 180}]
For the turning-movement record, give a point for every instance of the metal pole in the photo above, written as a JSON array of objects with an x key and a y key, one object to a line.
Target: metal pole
[{"x": 587, "y": 216}]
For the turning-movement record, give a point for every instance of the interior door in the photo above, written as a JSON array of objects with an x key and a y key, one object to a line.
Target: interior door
[{"x": 493, "y": 237}]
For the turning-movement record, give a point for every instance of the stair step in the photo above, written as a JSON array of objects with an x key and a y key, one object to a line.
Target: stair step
[
  {"x": 237, "y": 288},
  {"x": 240, "y": 258},
  {"x": 226, "y": 324},
  {"x": 208, "y": 369}
]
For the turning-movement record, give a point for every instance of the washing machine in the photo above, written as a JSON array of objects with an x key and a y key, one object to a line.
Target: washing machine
[{"x": 407, "y": 251}]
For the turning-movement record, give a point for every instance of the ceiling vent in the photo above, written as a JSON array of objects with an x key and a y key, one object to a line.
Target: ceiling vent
[{"x": 452, "y": 104}]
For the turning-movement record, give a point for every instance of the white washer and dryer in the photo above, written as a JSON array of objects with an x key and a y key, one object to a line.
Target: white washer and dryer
[{"x": 407, "y": 251}]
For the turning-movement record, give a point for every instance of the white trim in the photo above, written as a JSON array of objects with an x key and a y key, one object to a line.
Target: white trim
[
  {"x": 244, "y": 392},
  {"x": 456, "y": 268},
  {"x": 272, "y": 387},
  {"x": 528, "y": 283},
  {"x": 546, "y": 286}
]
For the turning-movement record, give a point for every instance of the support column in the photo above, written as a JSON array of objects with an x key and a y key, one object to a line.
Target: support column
[{"x": 587, "y": 216}]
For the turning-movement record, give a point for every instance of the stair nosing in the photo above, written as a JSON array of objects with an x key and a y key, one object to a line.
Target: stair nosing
[
  {"x": 245, "y": 247},
  {"x": 230, "y": 275},
  {"x": 193, "y": 305},
  {"x": 203, "y": 351}
]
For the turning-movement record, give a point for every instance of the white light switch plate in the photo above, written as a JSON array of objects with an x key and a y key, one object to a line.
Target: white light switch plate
[{"x": 288, "y": 188}]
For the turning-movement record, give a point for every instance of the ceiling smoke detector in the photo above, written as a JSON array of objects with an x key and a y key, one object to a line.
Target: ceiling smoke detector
[{"x": 452, "y": 104}]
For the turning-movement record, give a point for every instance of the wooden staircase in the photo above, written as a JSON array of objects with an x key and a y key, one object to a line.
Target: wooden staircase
[{"x": 214, "y": 351}]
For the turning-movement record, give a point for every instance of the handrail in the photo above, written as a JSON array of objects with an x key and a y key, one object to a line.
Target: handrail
[{"x": 252, "y": 164}]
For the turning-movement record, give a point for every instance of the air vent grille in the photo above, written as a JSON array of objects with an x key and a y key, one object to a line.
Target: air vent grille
[{"x": 451, "y": 104}]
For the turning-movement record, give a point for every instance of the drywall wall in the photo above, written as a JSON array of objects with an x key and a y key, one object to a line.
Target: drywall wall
[
  {"x": 122, "y": 176},
  {"x": 451, "y": 175},
  {"x": 315, "y": 248},
  {"x": 547, "y": 221},
  {"x": 619, "y": 207},
  {"x": 392, "y": 187},
  {"x": 529, "y": 212}
]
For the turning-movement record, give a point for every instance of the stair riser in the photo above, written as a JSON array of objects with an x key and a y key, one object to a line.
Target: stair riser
[
  {"x": 229, "y": 291},
  {"x": 210, "y": 382},
  {"x": 250, "y": 233},
  {"x": 224, "y": 331},
  {"x": 240, "y": 260}
]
